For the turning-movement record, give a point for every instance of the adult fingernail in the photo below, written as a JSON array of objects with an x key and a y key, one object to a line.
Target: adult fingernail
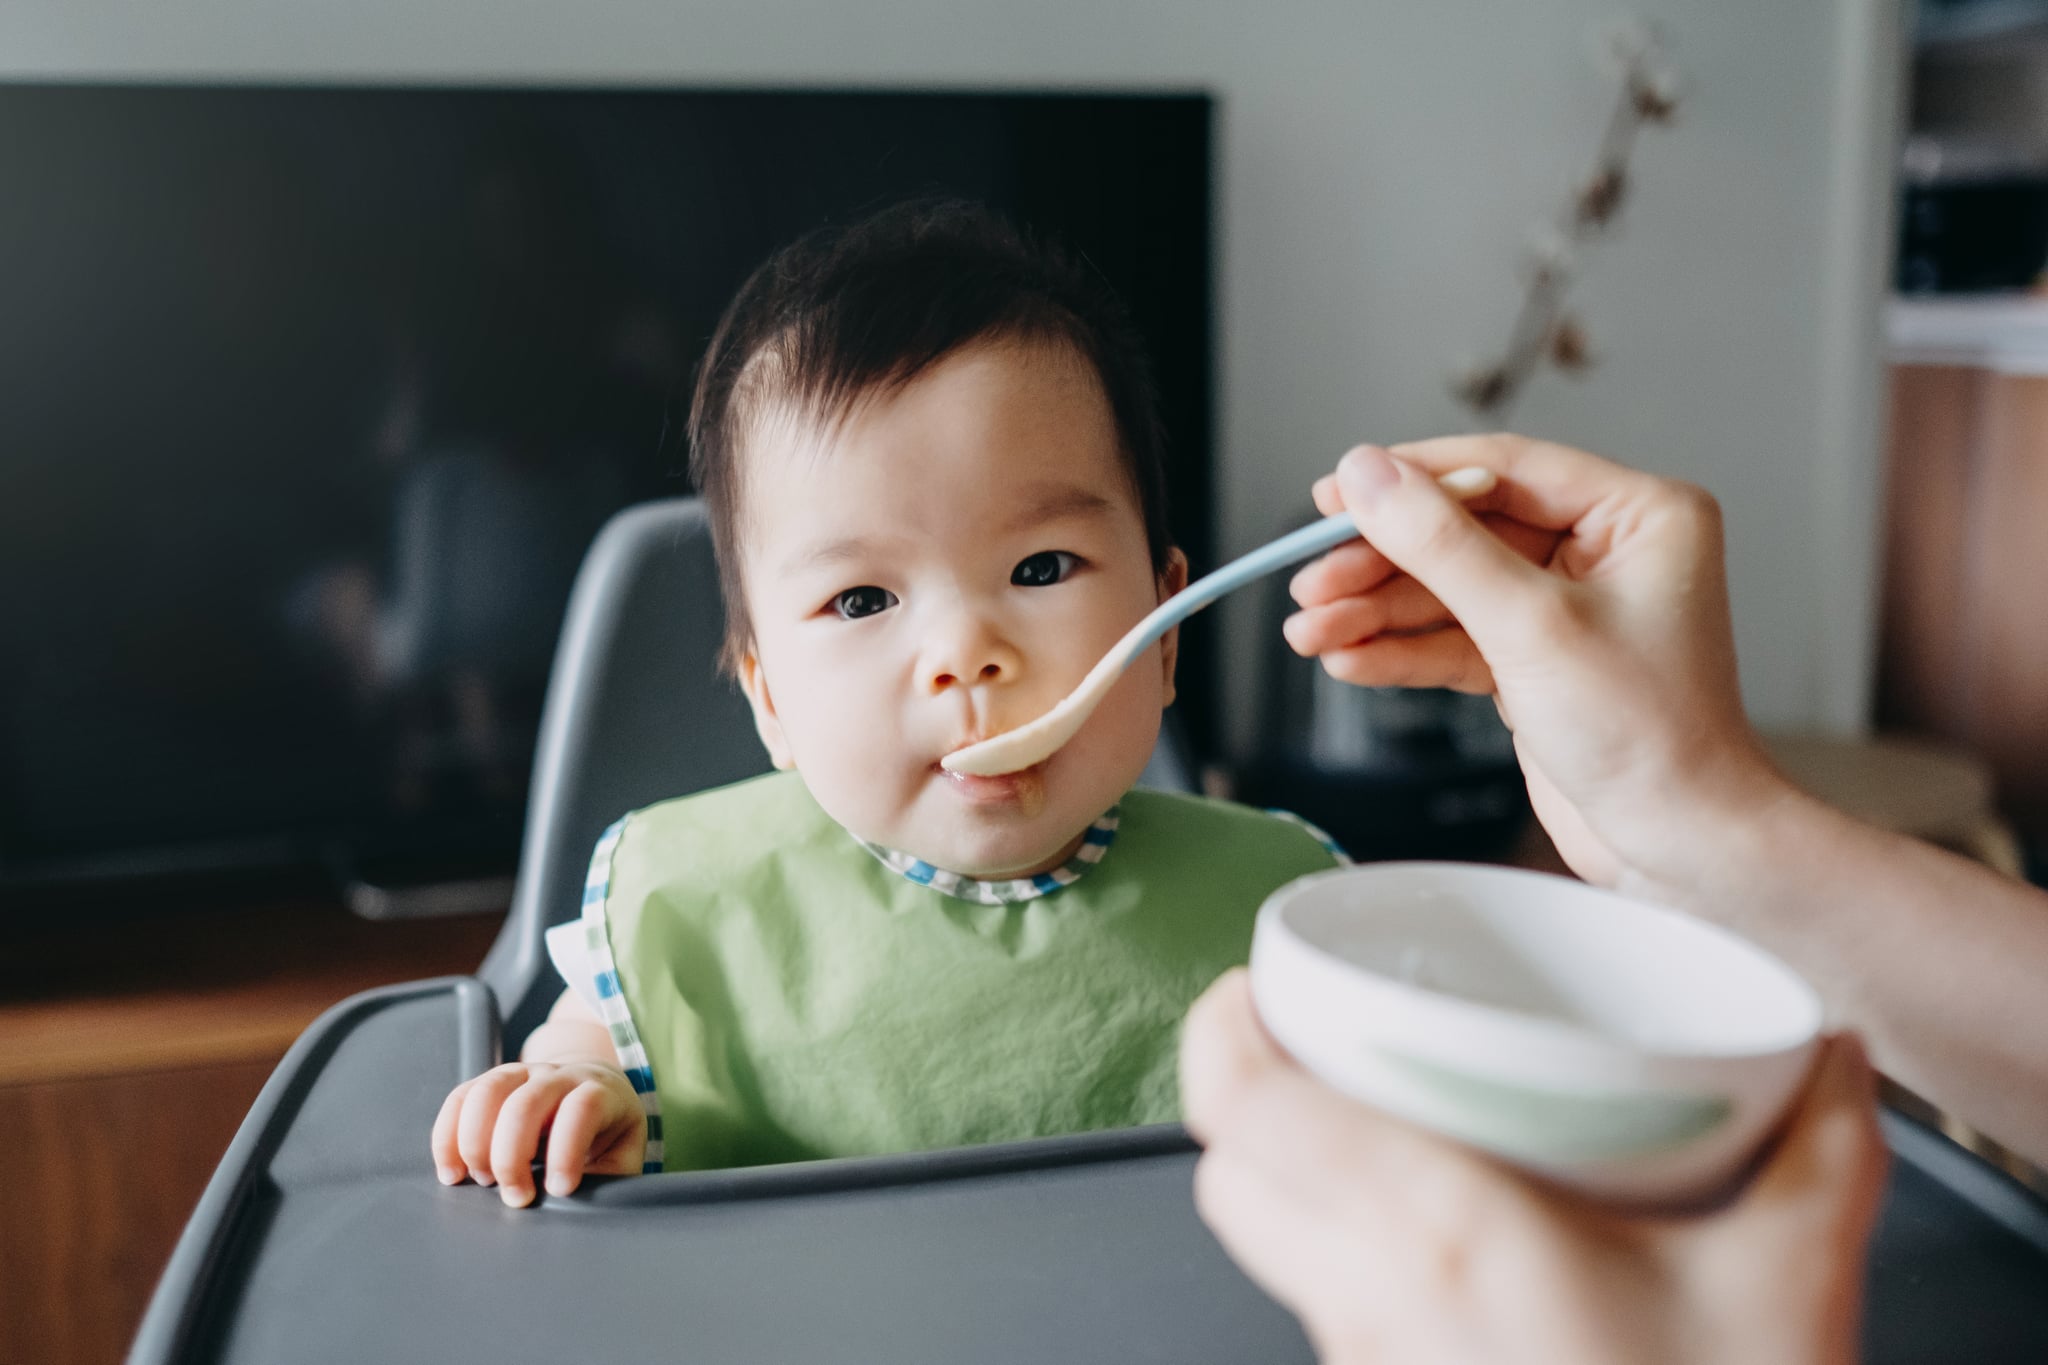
[{"x": 1364, "y": 474}]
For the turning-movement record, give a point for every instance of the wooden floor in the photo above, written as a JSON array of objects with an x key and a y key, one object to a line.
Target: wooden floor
[{"x": 132, "y": 1040}]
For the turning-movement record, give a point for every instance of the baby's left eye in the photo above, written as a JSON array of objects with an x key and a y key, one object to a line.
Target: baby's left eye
[{"x": 1044, "y": 569}]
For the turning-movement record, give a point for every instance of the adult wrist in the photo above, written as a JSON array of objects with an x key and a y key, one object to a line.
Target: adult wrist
[
  {"x": 1729, "y": 839},
  {"x": 1757, "y": 873}
]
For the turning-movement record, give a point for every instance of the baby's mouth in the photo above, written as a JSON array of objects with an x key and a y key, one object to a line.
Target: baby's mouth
[{"x": 1023, "y": 789}]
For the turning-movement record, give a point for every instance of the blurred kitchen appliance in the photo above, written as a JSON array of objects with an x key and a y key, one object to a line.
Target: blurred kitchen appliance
[{"x": 1387, "y": 772}]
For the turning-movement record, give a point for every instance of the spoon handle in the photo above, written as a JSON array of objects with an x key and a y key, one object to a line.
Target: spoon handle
[{"x": 1312, "y": 539}]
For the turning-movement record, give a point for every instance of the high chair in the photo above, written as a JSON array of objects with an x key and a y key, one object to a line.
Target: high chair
[{"x": 324, "y": 1235}]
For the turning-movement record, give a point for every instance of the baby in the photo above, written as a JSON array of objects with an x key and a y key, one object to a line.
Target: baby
[{"x": 932, "y": 466}]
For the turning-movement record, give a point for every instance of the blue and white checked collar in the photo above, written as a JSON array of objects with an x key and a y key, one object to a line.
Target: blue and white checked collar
[{"x": 1094, "y": 843}]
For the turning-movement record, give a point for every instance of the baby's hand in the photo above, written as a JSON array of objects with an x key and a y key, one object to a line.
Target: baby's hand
[{"x": 490, "y": 1128}]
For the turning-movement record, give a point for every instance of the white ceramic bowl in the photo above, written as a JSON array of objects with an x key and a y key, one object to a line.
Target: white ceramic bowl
[{"x": 1624, "y": 1050}]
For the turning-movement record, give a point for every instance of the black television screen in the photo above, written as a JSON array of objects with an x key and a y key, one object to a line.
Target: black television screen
[{"x": 268, "y": 356}]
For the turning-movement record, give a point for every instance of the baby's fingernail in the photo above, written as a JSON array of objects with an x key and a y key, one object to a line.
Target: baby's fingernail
[
  {"x": 446, "y": 1176},
  {"x": 484, "y": 1178},
  {"x": 1364, "y": 474},
  {"x": 558, "y": 1186},
  {"x": 515, "y": 1199}
]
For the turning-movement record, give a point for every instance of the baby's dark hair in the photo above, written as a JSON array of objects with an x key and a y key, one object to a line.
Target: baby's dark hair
[{"x": 849, "y": 310}]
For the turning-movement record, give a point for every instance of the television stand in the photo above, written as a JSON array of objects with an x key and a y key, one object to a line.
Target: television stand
[{"x": 135, "y": 1032}]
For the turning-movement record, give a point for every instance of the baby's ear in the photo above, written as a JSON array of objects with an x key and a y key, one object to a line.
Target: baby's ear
[
  {"x": 754, "y": 683},
  {"x": 1172, "y": 579}
]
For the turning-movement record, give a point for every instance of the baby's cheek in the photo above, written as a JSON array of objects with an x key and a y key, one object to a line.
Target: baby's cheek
[{"x": 863, "y": 786}]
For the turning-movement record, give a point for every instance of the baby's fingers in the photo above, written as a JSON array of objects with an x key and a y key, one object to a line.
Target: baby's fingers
[
  {"x": 589, "y": 1125},
  {"x": 447, "y": 1156},
  {"x": 485, "y": 1096},
  {"x": 515, "y": 1139}
]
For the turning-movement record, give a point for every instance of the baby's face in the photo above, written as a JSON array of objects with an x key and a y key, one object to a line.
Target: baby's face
[{"x": 946, "y": 565}]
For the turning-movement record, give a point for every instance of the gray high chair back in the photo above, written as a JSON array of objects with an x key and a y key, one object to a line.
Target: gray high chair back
[
  {"x": 323, "y": 1236},
  {"x": 637, "y": 712}
]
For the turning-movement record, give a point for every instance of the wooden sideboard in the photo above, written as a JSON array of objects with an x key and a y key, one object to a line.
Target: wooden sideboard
[
  {"x": 1963, "y": 652},
  {"x": 132, "y": 1040}
]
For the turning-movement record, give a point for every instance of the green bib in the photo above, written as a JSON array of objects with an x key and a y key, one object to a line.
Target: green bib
[{"x": 779, "y": 994}]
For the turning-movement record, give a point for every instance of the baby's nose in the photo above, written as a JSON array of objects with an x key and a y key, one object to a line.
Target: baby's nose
[
  {"x": 988, "y": 673},
  {"x": 969, "y": 654}
]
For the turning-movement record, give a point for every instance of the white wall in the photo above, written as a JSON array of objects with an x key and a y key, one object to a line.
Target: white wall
[{"x": 1381, "y": 164}]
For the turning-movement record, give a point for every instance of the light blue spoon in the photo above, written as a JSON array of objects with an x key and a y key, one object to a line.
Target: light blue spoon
[{"x": 1026, "y": 745}]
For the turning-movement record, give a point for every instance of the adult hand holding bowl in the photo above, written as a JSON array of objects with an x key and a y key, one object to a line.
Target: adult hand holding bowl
[{"x": 1617, "y": 1048}]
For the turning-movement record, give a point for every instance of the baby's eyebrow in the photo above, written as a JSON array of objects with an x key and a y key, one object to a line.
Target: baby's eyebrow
[
  {"x": 830, "y": 552},
  {"x": 1056, "y": 502},
  {"x": 1035, "y": 507}
]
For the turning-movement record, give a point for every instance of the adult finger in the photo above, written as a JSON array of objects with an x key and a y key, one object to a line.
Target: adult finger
[
  {"x": 1445, "y": 658},
  {"x": 1358, "y": 567},
  {"x": 1353, "y": 567},
  {"x": 1414, "y": 523},
  {"x": 1242, "y": 1095},
  {"x": 1400, "y": 605},
  {"x": 1214, "y": 1058},
  {"x": 1825, "y": 1179},
  {"x": 487, "y": 1094},
  {"x": 1306, "y": 1254},
  {"x": 1540, "y": 482}
]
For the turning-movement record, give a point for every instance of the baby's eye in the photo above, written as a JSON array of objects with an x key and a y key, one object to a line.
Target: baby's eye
[
  {"x": 1043, "y": 569},
  {"x": 855, "y": 603}
]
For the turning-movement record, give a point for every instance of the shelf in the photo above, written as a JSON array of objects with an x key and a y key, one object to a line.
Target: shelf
[{"x": 2002, "y": 333}]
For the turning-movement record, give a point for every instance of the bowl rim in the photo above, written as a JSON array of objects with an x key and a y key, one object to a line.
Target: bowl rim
[{"x": 1579, "y": 1037}]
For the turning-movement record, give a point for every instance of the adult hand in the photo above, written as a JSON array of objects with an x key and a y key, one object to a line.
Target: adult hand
[
  {"x": 1590, "y": 600},
  {"x": 1392, "y": 1244}
]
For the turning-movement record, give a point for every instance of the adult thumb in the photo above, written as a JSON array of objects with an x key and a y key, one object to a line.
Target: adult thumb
[
  {"x": 1824, "y": 1181},
  {"x": 1407, "y": 516}
]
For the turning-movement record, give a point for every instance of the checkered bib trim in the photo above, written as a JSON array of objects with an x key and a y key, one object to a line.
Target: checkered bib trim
[
  {"x": 612, "y": 1008},
  {"x": 1094, "y": 844}
]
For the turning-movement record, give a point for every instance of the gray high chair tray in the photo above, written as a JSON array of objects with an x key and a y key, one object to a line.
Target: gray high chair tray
[{"x": 325, "y": 1237}]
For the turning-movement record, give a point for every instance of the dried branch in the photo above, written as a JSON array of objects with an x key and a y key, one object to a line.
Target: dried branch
[{"x": 1648, "y": 96}]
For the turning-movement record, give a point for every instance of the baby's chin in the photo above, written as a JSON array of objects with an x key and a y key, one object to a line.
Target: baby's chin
[
  {"x": 988, "y": 829},
  {"x": 993, "y": 858},
  {"x": 991, "y": 852}
]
